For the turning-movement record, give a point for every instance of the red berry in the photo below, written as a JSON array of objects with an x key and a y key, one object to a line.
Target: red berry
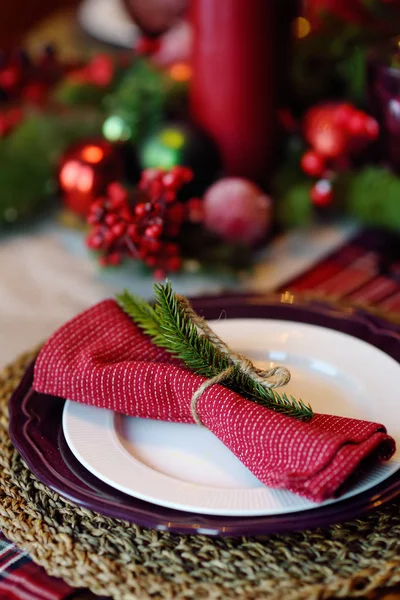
[
  {"x": 159, "y": 274},
  {"x": 176, "y": 214},
  {"x": 118, "y": 194},
  {"x": 103, "y": 261},
  {"x": 183, "y": 173},
  {"x": 170, "y": 181},
  {"x": 170, "y": 249},
  {"x": 94, "y": 242},
  {"x": 170, "y": 196},
  {"x": 372, "y": 128},
  {"x": 132, "y": 231},
  {"x": 91, "y": 219},
  {"x": 322, "y": 132},
  {"x": 143, "y": 251},
  {"x": 142, "y": 208},
  {"x": 125, "y": 215},
  {"x": 114, "y": 258},
  {"x": 356, "y": 124},
  {"x": 343, "y": 114},
  {"x": 155, "y": 188},
  {"x": 151, "y": 261},
  {"x": 174, "y": 263},
  {"x": 99, "y": 203},
  {"x": 111, "y": 219},
  {"x": 151, "y": 245},
  {"x": 147, "y": 176},
  {"x": 109, "y": 237},
  {"x": 195, "y": 210},
  {"x": 154, "y": 231},
  {"x": 9, "y": 77},
  {"x": 321, "y": 193},
  {"x": 312, "y": 163},
  {"x": 118, "y": 229}
]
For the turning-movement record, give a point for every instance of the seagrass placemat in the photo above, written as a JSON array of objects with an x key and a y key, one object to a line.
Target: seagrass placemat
[{"x": 115, "y": 558}]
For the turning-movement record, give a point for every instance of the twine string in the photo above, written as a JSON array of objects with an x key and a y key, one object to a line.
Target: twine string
[{"x": 271, "y": 378}]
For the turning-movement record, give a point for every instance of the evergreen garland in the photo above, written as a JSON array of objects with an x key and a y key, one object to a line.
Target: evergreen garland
[
  {"x": 140, "y": 99},
  {"x": 28, "y": 157},
  {"x": 169, "y": 327}
]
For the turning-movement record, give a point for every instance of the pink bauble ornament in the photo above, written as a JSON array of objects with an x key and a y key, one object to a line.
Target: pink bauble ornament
[{"x": 237, "y": 210}]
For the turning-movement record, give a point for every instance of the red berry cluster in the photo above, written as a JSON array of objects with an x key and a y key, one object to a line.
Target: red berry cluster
[
  {"x": 336, "y": 132},
  {"x": 143, "y": 225},
  {"x": 99, "y": 71},
  {"x": 23, "y": 78}
]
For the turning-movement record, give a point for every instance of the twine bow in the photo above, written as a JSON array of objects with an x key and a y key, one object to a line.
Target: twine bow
[{"x": 274, "y": 377}]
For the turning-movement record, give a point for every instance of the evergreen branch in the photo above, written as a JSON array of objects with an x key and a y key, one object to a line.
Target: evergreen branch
[
  {"x": 171, "y": 328},
  {"x": 181, "y": 338},
  {"x": 141, "y": 312}
]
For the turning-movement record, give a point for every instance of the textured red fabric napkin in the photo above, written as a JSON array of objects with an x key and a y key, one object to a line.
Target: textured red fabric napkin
[{"x": 101, "y": 358}]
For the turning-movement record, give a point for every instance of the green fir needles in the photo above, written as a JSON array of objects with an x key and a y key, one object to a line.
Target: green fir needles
[{"x": 172, "y": 324}]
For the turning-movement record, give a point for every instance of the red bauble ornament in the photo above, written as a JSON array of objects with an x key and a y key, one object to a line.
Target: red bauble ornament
[
  {"x": 321, "y": 193},
  {"x": 312, "y": 163},
  {"x": 85, "y": 171},
  {"x": 237, "y": 210}
]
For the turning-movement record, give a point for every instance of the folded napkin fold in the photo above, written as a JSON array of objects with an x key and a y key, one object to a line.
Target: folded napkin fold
[{"x": 101, "y": 358}]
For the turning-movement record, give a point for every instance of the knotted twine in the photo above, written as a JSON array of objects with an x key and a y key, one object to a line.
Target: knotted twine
[{"x": 274, "y": 377}]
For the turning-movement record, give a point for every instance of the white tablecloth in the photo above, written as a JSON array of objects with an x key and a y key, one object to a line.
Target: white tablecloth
[{"x": 47, "y": 276}]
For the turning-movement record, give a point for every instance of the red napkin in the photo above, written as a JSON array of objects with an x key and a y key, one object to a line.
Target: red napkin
[{"x": 101, "y": 358}]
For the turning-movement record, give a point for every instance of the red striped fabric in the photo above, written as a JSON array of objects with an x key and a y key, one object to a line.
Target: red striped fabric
[{"x": 22, "y": 579}]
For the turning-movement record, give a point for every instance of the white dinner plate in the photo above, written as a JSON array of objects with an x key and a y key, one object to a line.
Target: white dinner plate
[{"x": 186, "y": 467}]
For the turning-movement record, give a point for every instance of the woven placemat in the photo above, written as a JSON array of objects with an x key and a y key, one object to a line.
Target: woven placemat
[{"x": 115, "y": 558}]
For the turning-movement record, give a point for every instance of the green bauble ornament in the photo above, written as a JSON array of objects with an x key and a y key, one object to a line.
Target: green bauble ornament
[
  {"x": 117, "y": 129},
  {"x": 177, "y": 143}
]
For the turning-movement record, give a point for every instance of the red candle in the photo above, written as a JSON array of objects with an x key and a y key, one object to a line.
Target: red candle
[{"x": 237, "y": 61}]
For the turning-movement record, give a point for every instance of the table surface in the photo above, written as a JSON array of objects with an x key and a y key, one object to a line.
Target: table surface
[{"x": 47, "y": 276}]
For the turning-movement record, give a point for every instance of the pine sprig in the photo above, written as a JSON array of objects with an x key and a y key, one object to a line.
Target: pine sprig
[
  {"x": 171, "y": 328},
  {"x": 181, "y": 337},
  {"x": 142, "y": 313}
]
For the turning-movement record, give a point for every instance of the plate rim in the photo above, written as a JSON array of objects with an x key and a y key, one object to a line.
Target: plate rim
[{"x": 149, "y": 515}]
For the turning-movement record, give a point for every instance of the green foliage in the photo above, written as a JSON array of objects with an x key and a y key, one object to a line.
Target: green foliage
[
  {"x": 294, "y": 208},
  {"x": 73, "y": 94},
  {"x": 28, "y": 157},
  {"x": 371, "y": 195},
  {"x": 142, "y": 313},
  {"x": 171, "y": 328},
  {"x": 140, "y": 99},
  {"x": 330, "y": 63}
]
